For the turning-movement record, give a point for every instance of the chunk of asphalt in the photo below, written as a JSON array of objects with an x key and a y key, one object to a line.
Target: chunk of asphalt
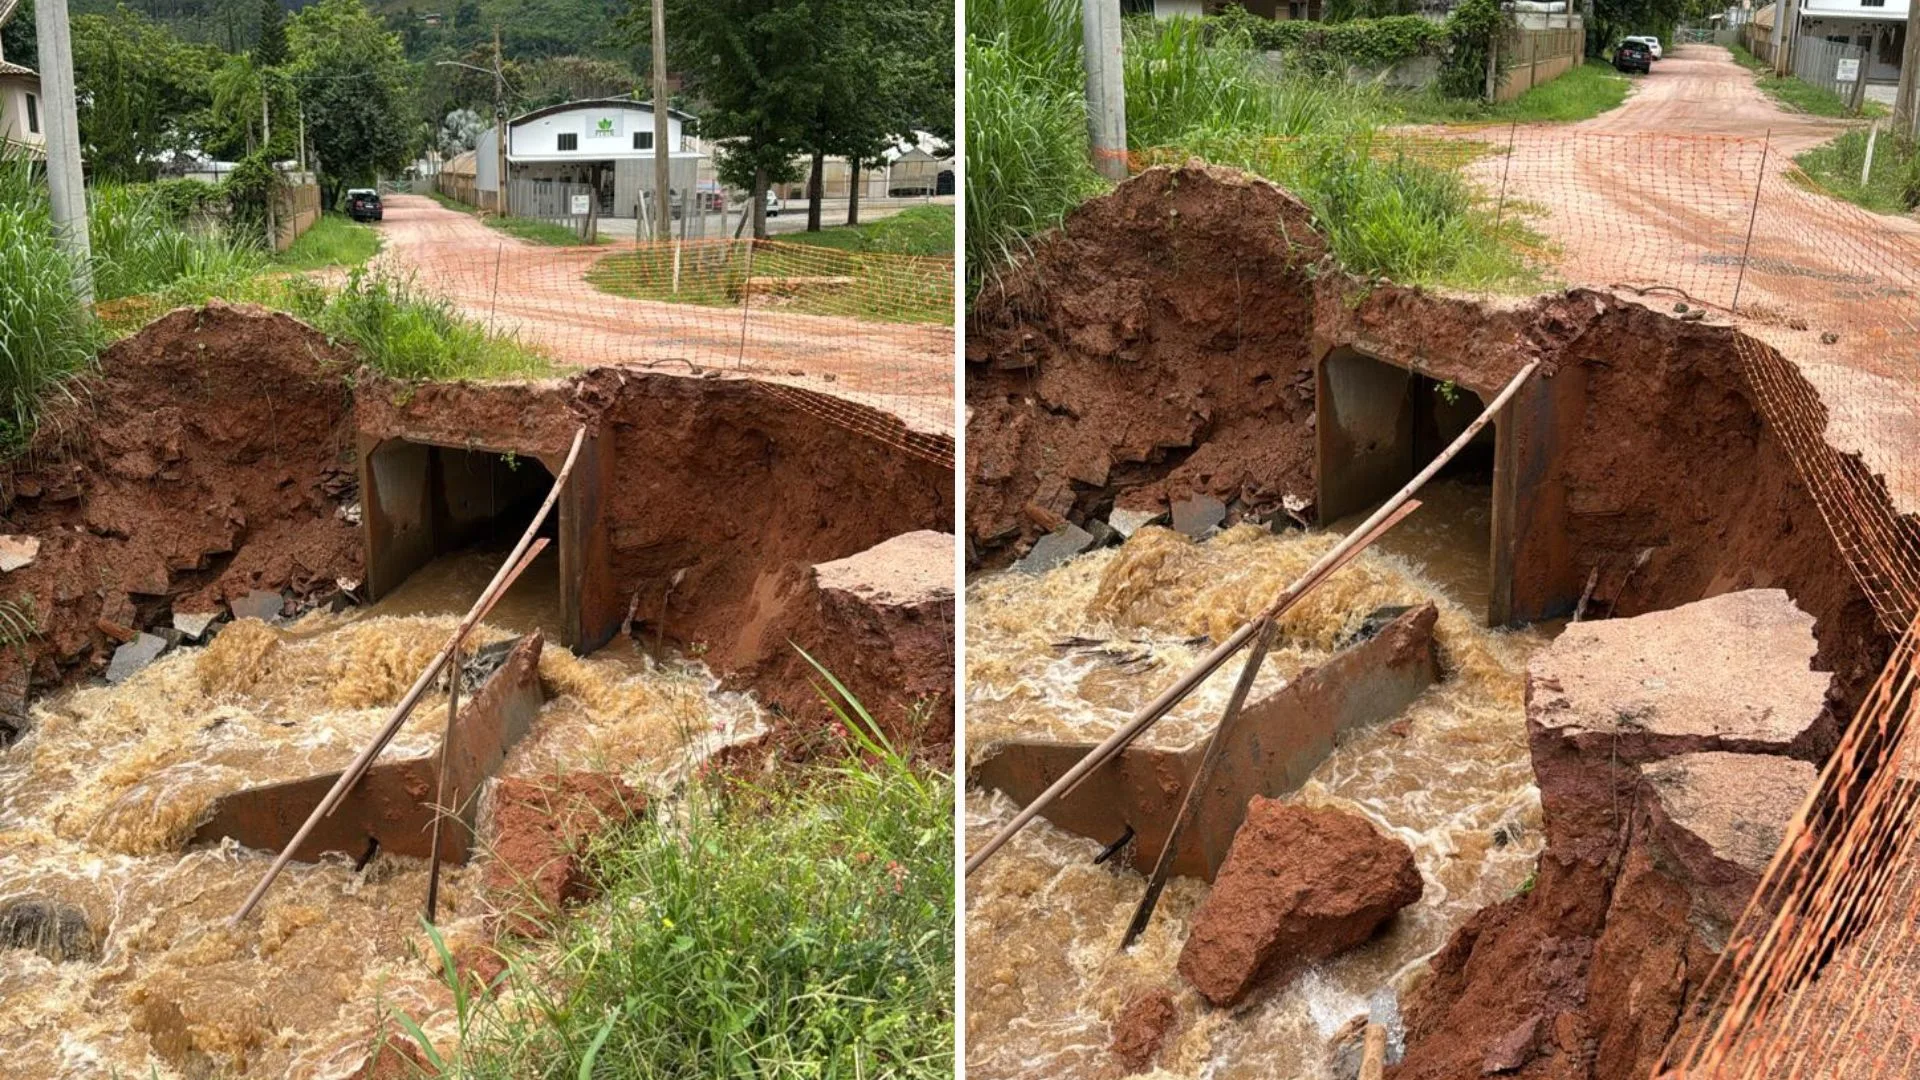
[
  {"x": 1198, "y": 516},
  {"x": 128, "y": 659},
  {"x": 1055, "y": 548},
  {"x": 1128, "y": 522},
  {"x": 193, "y": 624},
  {"x": 1104, "y": 535},
  {"x": 258, "y": 604}
]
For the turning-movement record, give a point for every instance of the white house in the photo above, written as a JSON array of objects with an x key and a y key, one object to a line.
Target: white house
[
  {"x": 1878, "y": 26},
  {"x": 605, "y": 144},
  {"x": 20, "y": 121}
]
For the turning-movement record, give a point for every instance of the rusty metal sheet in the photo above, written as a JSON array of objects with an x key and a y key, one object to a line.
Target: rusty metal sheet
[
  {"x": 1278, "y": 742},
  {"x": 394, "y": 802}
]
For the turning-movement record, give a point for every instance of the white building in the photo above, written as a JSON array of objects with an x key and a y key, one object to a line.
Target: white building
[
  {"x": 20, "y": 121},
  {"x": 605, "y": 145},
  {"x": 1878, "y": 27}
]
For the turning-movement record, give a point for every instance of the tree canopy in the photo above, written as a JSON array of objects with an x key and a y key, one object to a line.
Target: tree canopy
[{"x": 356, "y": 90}]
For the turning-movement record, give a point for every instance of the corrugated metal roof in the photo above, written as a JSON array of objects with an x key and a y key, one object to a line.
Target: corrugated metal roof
[{"x": 8, "y": 67}]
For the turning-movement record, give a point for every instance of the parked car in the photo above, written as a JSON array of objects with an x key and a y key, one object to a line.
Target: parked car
[
  {"x": 1631, "y": 55},
  {"x": 774, "y": 205},
  {"x": 363, "y": 204},
  {"x": 1652, "y": 43}
]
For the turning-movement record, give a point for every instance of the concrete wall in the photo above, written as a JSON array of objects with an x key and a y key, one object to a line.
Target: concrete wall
[
  {"x": 296, "y": 209},
  {"x": 1541, "y": 56}
]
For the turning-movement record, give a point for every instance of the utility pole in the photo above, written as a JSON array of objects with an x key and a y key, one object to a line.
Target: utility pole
[
  {"x": 500, "y": 121},
  {"x": 1106, "y": 86},
  {"x": 1787, "y": 11},
  {"x": 662, "y": 178},
  {"x": 266, "y": 147},
  {"x": 65, "y": 183},
  {"x": 1778, "y": 37},
  {"x": 1906, "y": 116}
]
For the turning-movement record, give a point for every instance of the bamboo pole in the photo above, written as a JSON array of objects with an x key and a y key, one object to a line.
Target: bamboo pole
[
  {"x": 440, "y": 788},
  {"x": 1210, "y": 663},
  {"x": 515, "y": 563}
]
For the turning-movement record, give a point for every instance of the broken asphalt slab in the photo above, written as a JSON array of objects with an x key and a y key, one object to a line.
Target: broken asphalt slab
[
  {"x": 1055, "y": 548},
  {"x": 1198, "y": 516},
  {"x": 258, "y": 604},
  {"x": 130, "y": 658}
]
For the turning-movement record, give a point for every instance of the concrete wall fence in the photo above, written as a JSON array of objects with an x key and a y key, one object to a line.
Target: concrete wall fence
[
  {"x": 1541, "y": 56},
  {"x": 295, "y": 210}
]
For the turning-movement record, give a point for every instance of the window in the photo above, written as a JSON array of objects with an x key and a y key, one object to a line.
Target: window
[
  {"x": 1136, "y": 7},
  {"x": 569, "y": 141},
  {"x": 1873, "y": 3},
  {"x": 33, "y": 115},
  {"x": 643, "y": 140}
]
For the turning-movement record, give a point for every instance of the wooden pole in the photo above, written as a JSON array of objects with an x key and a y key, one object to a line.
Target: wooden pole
[
  {"x": 1198, "y": 674},
  {"x": 440, "y": 808},
  {"x": 661, "y": 151},
  {"x": 516, "y": 562},
  {"x": 1217, "y": 742},
  {"x": 1373, "y": 1053}
]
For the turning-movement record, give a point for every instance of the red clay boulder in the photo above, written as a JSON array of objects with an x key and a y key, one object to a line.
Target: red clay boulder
[
  {"x": 1142, "y": 1028},
  {"x": 541, "y": 828},
  {"x": 1300, "y": 884}
]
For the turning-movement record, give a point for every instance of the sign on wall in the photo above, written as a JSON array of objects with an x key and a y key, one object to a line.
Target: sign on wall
[
  {"x": 582, "y": 205},
  {"x": 603, "y": 127},
  {"x": 1849, "y": 70}
]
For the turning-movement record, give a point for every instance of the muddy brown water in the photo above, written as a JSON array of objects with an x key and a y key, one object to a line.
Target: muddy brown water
[
  {"x": 97, "y": 802},
  {"x": 1043, "y": 978}
]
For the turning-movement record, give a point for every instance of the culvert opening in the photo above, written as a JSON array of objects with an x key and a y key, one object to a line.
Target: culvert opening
[
  {"x": 439, "y": 519},
  {"x": 1380, "y": 424}
]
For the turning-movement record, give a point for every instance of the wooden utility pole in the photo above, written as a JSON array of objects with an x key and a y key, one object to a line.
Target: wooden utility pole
[
  {"x": 662, "y": 178},
  {"x": 1106, "y": 86},
  {"x": 66, "y": 185},
  {"x": 1906, "y": 117}
]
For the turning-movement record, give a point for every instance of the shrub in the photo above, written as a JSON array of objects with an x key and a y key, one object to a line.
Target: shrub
[
  {"x": 1331, "y": 47},
  {"x": 1473, "y": 30},
  {"x": 45, "y": 334},
  {"x": 406, "y": 333}
]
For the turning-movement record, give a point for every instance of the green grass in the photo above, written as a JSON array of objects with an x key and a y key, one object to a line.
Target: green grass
[
  {"x": 919, "y": 230},
  {"x": 334, "y": 240},
  {"x": 405, "y": 332},
  {"x": 1893, "y": 187},
  {"x": 46, "y": 337},
  {"x": 1581, "y": 94},
  {"x": 798, "y": 929},
  {"x": 808, "y": 279},
  {"x": 1793, "y": 95},
  {"x": 1195, "y": 94},
  {"x": 544, "y": 233}
]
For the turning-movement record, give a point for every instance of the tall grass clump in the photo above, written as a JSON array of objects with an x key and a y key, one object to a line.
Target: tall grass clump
[
  {"x": 45, "y": 334},
  {"x": 140, "y": 248},
  {"x": 800, "y": 928},
  {"x": 402, "y": 331},
  {"x": 1026, "y": 127}
]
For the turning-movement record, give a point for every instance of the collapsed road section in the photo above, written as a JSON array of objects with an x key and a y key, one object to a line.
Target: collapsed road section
[
  {"x": 243, "y": 551},
  {"x": 1167, "y": 407}
]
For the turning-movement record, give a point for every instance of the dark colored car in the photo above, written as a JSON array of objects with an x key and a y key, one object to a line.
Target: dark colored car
[
  {"x": 363, "y": 204},
  {"x": 1633, "y": 56}
]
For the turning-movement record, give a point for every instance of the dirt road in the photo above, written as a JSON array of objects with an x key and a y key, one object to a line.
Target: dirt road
[
  {"x": 1688, "y": 193},
  {"x": 541, "y": 295}
]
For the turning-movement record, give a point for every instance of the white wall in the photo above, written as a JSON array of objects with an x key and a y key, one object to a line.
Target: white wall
[
  {"x": 13, "y": 111},
  {"x": 600, "y": 132},
  {"x": 1170, "y": 9}
]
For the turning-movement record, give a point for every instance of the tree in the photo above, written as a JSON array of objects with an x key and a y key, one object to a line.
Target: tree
[
  {"x": 356, "y": 90},
  {"x": 754, "y": 66},
  {"x": 145, "y": 92},
  {"x": 270, "y": 49},
  {"x": 17, "y": 41}
]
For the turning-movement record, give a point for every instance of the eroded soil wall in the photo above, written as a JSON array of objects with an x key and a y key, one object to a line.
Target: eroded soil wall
[
  {"x": 1163, "y": 342},
  {"x": 216, "y": 450}
]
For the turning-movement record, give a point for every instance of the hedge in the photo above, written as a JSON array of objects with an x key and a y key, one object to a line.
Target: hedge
[{"x": 1369, "y": 43}]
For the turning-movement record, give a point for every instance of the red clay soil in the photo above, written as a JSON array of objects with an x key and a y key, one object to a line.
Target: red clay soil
[
  {"x": 1161, "y": 342},
  {"x": 1300, "y": 884},
  {"x": 540, "y": 831},
  {"x": 1149, "y": 350},
  {"x": 212, "y": 453},
  {"x": 207, "y": 458},
  {"x": 1142, "y": 1028}
]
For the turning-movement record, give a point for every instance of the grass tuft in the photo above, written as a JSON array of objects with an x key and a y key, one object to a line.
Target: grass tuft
[
  {"x": 800, "y": 929},
  {"x": 919, "y": 230},
  {"x": 1581, "y": 94},
  {"x": 407, "y": 333},
  {"x": 1794, "y": 95},
  {"x": 1833, "y": 167},
  {"x": 334, "y": 240}
]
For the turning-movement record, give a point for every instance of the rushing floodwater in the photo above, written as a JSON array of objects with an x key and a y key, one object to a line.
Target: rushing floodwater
[
  {"x": 1043, "y": 979},
  {"x": 96, "y": 804}
]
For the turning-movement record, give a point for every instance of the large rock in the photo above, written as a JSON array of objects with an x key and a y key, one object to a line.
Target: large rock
[
  {"x": 1671, "y": 750},
  {"x": 1300, "y": 884},
  {"x": 541, "y": 829}
]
